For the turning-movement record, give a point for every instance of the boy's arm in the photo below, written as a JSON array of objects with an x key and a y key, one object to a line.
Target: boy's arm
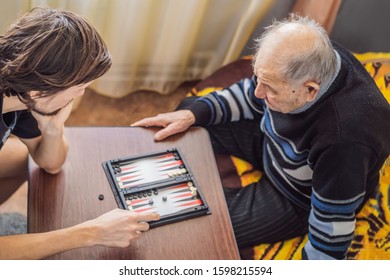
[
  {"x": 116, "y": 228},
  {"x": 50, "y": 149}
]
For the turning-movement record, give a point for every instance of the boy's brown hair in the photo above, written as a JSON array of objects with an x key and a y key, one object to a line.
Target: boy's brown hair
[{"x": 49, "y": 50}]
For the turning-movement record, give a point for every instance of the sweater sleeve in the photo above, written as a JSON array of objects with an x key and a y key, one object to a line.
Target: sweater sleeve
[
  {"x": 231, "y": 104},
  {"x": 339, "y": 183}
]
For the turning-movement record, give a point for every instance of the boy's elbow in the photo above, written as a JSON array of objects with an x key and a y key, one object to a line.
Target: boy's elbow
[{"x": 53, "y": 168}]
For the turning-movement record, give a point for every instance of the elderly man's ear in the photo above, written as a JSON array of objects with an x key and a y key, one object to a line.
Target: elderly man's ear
[{"x": 312, "y": 90}]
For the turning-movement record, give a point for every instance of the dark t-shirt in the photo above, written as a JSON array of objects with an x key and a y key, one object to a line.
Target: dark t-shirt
[{"x": 20, "y": 123}]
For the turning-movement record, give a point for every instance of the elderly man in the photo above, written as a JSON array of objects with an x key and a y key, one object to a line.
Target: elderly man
[{"x": 314, "y": 121}]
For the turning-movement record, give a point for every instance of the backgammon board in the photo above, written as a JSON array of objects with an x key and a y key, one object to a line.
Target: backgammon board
[{"x": 156, "y": 182}]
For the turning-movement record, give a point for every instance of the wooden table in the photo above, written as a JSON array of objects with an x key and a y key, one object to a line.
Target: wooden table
[{"x": 71, "y": 197}]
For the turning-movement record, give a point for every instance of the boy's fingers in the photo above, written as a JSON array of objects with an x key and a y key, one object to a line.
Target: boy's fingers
[{"x": 145, "y": 217}]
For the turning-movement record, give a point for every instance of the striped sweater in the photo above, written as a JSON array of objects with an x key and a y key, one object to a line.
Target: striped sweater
[{"x": 324, "y": 157}]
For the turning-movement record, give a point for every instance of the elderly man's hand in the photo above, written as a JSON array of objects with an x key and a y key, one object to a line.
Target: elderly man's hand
[{"x": 172, "y": 123}]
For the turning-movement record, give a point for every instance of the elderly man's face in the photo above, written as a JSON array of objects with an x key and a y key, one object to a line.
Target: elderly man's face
[{"x": 278, "y": 94}]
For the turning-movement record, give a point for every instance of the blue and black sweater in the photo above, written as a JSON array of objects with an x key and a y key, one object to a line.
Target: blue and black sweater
[{"x": 324, "y": 157}]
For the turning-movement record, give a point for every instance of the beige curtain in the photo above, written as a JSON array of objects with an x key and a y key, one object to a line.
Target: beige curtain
[{"x": 158, "y": 44}]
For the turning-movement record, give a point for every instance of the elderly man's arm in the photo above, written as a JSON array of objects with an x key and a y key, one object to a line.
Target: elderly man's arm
[
  {"x": 339, "y": 191},
  {"x": 228, "y": 105}
]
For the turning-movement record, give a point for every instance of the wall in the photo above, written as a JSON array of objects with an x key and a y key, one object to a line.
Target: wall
[
  {"x": 363, "y": 25},
  {"x": 360, "y": 26}
]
